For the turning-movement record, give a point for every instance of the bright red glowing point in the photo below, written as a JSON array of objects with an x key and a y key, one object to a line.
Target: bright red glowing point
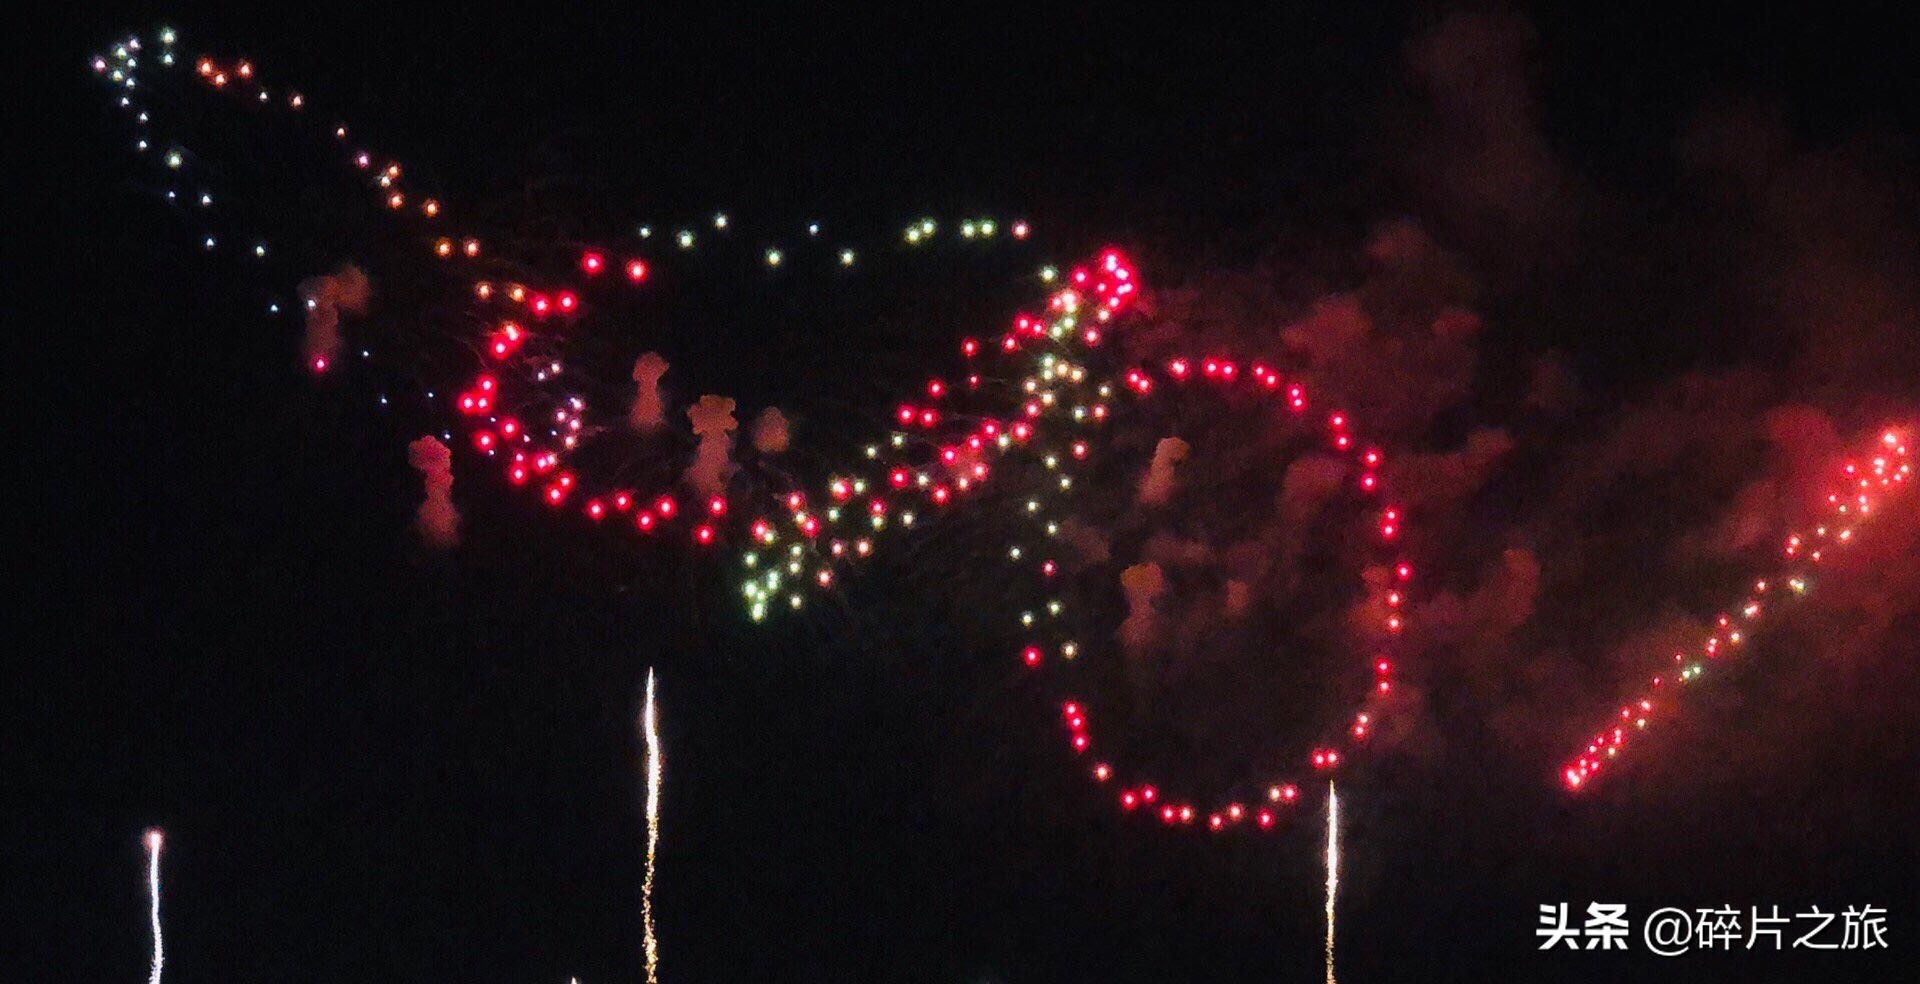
[
  {"x": 1031, "y": 655},
  {"x": 717, "y": 506},
  {"x": 568, "y": 301},
  {"x": 664, "y": 506},
  {"x": 636, "y": 270},
  {"x": 592, "y": 263},
  {"x": 319, "y": 363},
  {"x": 645, "y": 521},
  {"x": 704, "y": 534}
]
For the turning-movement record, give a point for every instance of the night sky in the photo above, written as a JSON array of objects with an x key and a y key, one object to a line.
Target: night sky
[{"x": 1686, "y": 250}]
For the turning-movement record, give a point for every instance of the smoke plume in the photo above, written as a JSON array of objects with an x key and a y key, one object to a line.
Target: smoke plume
[
  {"x": 326, "y": 299},
  {"x": 437, "y": 519}
]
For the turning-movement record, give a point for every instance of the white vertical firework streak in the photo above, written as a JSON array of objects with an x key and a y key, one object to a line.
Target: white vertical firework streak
[
  {"x": 649, "y": 725},
  {"x": 1333, "y": 868},
  {"x": 154, "y": 839}
]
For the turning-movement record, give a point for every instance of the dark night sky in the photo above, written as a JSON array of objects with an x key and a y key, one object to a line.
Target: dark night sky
[{"x": 379, "y": 763}]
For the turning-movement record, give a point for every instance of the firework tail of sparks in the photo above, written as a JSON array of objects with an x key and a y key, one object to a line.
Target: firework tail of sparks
[
  {"x": 649, "y": 722},
  {"x": 154, "y": 839},
  {"x": 1333, "y": 868},
  {"x": 1863, "y": 484}
]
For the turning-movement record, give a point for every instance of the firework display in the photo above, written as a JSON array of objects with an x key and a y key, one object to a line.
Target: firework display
[
  {"x": 1026, "y": 391},
  {"x": 1018, "y": 391},
  {"x": 1031, "y": 401},
  {"x": 1070, "y": 487},
  {"x": 1862, "y": 485},
  {"x": 1058, "y": 425},
  {"x": 522, "y": 405}
]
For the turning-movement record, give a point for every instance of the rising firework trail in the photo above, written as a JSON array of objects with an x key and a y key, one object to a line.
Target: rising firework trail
[
  {"x": 1333, "y": 868},
  {"x": 649, "y": 724},
  {"x": 154, "y": 838}
]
